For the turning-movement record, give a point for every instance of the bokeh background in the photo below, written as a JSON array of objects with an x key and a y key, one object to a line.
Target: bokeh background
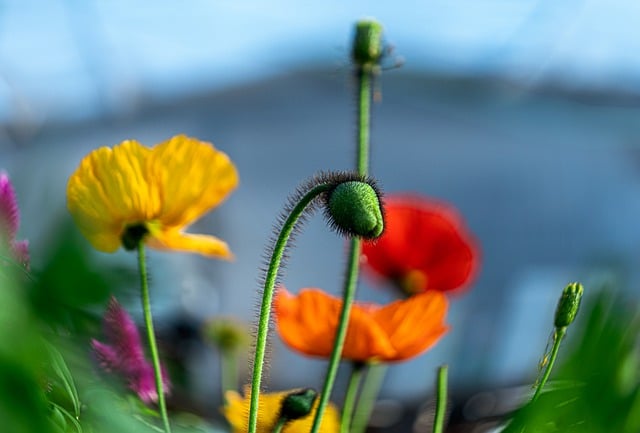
[{"x": 524, "y": 115}]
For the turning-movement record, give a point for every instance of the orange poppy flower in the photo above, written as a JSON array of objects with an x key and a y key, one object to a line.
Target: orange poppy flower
[
  {"x": 394, "y": 332},
  {"x": 425, "y": 246}
]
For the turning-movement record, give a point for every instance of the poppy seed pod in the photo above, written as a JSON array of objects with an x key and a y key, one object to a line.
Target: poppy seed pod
[
  {"x": 568, "y": 305},
  {"x": 298, "y": 404},
  {"x": 367, "y": 44},
  {"x": 354, "y": 208}
]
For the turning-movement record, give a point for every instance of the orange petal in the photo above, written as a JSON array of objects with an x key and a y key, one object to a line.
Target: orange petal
[
  {"x": 186, "y": 242},
  {"x": 414, "y": 324},
  {"x": 308, "y": 322},
  {"x": 193, "y": 177}
]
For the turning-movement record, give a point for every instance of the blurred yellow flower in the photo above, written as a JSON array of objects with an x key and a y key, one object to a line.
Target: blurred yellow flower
[
  {"x": 237, "y": 413},
  {"x": 151, "y": 193}
]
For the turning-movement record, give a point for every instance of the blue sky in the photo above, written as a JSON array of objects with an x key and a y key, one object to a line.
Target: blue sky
[{"x": 67, "y": 58}]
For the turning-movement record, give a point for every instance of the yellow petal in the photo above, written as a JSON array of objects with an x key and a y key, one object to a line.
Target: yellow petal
[
  {"x": 237, "y": 413},
  {"x": 178, "y": 241},
  {"x": 109, "y": 190},
  {"x": 192, "y": 176}
]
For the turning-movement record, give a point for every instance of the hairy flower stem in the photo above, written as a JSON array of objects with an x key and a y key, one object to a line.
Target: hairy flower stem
[
  {"x": 372, "y": 382},
  {"x": 441, "y": 400},
  {"x": 153, "y": 348},
  {"x": 357, "y": 372},
  {"x": 267, "y": 295},
  {"x": 364, "y": 78},
  {"x": 558, "y": 335}
]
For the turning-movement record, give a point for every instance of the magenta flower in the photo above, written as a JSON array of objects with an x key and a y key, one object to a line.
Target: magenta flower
[
  {"x": 10, "y": 222},
  {"x": 124, "y": 354}
]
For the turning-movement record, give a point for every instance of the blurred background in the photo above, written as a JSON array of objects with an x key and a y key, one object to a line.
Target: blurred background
[{"x": 524, "y": 115}]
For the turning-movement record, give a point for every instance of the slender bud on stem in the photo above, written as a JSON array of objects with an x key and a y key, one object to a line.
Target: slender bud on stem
[
  {"x": 568, "y": 305},
  {"x": 367, "y": 45}
]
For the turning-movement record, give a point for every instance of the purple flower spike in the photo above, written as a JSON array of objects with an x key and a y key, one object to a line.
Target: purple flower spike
[
  {"x": 124, "y": 354},
  {"x": 10, "y": 221}
]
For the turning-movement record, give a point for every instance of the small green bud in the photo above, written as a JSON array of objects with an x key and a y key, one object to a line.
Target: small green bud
[
  {"x": 367, "y": 43},
  {"x": 354, "y": 208},
  {"x": 568, "y": 305},
  {"x": 298, "y": 404},
  {"x": 227, "y": 334},
  {"x": 133, "y": 235}
]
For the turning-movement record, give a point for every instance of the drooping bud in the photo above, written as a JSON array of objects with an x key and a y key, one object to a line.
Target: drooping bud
[
  {"x": 354, "y": 208},
  {"x": 298, "y": 404},
  {"x": 568, "y": 305},
  {"x": 368, "y": 47}
]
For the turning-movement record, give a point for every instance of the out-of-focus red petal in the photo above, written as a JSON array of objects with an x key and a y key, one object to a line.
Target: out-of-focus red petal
[{"x": 425, "y": 246}]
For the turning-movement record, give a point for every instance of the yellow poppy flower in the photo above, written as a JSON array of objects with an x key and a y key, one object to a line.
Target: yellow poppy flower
[
  {"x": 156, "y": 191},
  {"x": 237, "y": 413}
]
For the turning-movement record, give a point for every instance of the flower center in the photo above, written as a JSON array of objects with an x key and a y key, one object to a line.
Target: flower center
[
  {"x": 413, "y": 282},
  {"x": 133, "y": 235}
]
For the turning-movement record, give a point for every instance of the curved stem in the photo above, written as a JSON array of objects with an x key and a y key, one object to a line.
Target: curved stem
[
  {"x": 370, "y": 389},
  {"x": 441, "y": 400},
  {"x": 267, "y": 296},
  {"x": 148, "y": 321},
  {"x": 558, "y": 335},
  {"x": 350, "y": 398}
]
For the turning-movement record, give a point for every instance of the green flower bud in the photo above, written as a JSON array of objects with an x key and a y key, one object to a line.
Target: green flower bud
[
  {"x": 367, "y": 44},
  {"x": 298, "y": 404},
  {"x": 354, "y": 208},
  {"x": 568, "y": 305},
  {"x": 226, "y": 334}
]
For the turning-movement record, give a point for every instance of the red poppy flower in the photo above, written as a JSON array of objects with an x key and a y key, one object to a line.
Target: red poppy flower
[
  {"x": 425, "y": 246},
  {"x": 401, "y": 330}
]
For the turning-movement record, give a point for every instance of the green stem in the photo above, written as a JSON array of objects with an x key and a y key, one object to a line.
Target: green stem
[
  {"x": 228, "y": 371},
  {"x": 558, "y": 335},
  {"x": 267, "y": 296},
  {"x": 148, "y": 321},
  {"x": 365, "y": 80},
  {"x": 368, "y": 395},
  {"x": 279, "y": 425},
  {"x": 363, "y": 75},
  {"x": 350, "y": 397},
  {"x": 441, "y": 400},
  {"x": 341, "y": 331}
]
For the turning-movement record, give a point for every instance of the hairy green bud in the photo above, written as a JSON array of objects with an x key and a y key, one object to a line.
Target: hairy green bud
[
  {"x": 298, "y": 404},
  {"x": 368, "y": 47},
  {"x": 568, "y": 305},
  {"x": 354, "y": 208}
]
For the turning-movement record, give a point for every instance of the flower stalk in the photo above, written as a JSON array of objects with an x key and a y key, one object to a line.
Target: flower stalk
[
  {"x": 372, "y": 383},
  {"x": 441, "y": 399},
  {"x": 267, "y": 295},
  {"x": 148, "y": 321},
  {"x": 357, "y": 372},
  {"x": 366, "y": 54}
]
